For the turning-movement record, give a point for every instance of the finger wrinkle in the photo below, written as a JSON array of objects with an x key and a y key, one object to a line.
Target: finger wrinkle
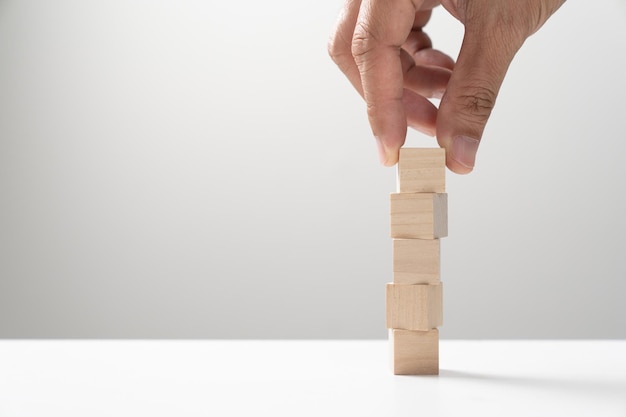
[{"x": 363, "y": 40}]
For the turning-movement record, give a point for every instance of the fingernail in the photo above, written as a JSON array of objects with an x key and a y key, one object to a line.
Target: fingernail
[
  {"x": 464, "y": 151},
  {"x": 382, "y": 153}
]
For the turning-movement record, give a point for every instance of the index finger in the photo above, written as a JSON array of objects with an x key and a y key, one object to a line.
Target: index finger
[{"x": 382, "y": 28}]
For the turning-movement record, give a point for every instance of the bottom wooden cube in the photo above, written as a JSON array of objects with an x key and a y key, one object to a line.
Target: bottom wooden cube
[{"x": 414, "y": 352}]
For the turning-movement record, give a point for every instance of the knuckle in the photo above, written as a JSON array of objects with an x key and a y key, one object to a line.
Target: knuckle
[
  {"x": 336, "y": 47},
  {"x": 476, "y": 103},
  {"x": 339, "y": 51},
  {"x": 362, "y": 41}
]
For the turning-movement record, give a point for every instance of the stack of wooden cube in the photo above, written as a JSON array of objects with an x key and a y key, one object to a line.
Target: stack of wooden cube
[{"x": 419, "y": 218}]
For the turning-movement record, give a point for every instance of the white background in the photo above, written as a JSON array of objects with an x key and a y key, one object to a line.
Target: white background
[
  {"x": 201, "y": 169},
  {"x": 70, "y": 378}
]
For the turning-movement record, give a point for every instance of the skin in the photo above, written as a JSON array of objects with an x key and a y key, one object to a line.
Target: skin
[{"x": 381, "y": 47}]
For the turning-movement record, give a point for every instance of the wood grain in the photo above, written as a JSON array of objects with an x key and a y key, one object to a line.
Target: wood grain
[
  {"x": 414, "y": 307},
  {"x": 419, "y": 215},
  {"x": 421, "y": 170},
  {"x": 414, "y": 352},
  {"x": 416, "y": 261}
]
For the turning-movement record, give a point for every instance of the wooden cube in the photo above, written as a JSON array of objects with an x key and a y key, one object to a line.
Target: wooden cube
[
  {"x": 414, "y": 307},
  {"x": 421, "y": 170},
  {"x": 416, "y": 261},
  {"x": 419, "y": 215},
  {"x": 414, "y": 352}
]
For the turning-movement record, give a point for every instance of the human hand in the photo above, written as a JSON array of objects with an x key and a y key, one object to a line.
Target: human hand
[{"x": 381, "y": 47}]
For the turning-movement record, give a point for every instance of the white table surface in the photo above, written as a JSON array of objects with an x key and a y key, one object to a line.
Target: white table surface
[{"x": 308, "y": 378}]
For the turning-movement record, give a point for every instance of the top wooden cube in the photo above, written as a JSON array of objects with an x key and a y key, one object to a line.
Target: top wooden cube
[{"x": 422, "y": 170}]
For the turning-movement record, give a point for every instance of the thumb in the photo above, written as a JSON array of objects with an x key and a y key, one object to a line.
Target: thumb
[{"x": 471, "y": 93}]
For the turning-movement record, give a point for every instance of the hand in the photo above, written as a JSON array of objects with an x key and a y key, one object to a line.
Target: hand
[{"x": 382, "y": 49}]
